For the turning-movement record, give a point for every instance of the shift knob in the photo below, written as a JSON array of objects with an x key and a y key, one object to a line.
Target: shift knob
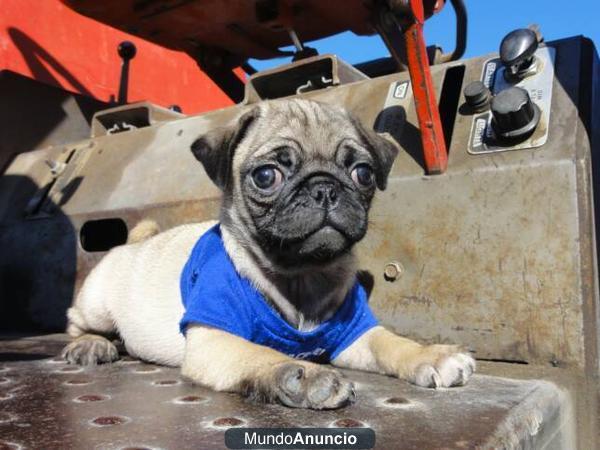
[
  {"x": 515, "y": 116},
  {"x": 517, "y": 52},
  {"x": 127, "y": 50}
]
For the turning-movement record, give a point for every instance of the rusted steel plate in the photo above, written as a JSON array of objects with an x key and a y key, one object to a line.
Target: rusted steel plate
[{"x": 45, "y": 403}]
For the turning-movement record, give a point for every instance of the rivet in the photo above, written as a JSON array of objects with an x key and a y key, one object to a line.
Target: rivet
[
  {"x": 189, "y": 399},
  {"x": 107, "y": 421},
  {"x": 392, "y": 271},
  {"x": 227, "y": 422},
  {"x": 90, "y": 398},
  {"x": 397, "y": 401},
  {"x": 348, "y": 423}
]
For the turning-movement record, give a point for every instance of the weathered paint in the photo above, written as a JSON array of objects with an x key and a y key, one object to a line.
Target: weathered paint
[
  {"x": 45, "y": 403},
  {"x": 492, "y": 250},
  {"x": 498, "y": 253},
  {"x": 51, "y": 43}
]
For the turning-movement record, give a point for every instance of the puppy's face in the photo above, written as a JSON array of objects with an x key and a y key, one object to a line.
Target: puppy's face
[{"x": 298, "y": 178}]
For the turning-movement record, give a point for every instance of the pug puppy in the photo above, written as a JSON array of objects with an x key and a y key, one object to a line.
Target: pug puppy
[{"x": 253, "y": 303}]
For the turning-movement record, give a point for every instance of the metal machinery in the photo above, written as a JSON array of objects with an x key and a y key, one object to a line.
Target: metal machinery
[{"x": 490, "y": 244}]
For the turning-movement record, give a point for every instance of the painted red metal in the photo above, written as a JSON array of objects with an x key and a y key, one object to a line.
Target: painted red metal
[
  {"x": 247, "y": 28},
  {"x": 432, "y": 134},
  {"x": 49, "y": 42}
]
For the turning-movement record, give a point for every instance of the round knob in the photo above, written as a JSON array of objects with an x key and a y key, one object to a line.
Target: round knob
[
  {"x": 477, "y": 95},
  {"x": 517, "y": 52},
  {"x": 127, "y": 50},
  {"x": 515, "y": 116}
]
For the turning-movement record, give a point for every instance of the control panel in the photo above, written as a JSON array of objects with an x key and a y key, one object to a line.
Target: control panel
[{"x": 512, "y": 100}]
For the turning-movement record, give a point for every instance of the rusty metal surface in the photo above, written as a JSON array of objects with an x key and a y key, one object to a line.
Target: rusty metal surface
[
  {"x": 497, "y": 254},
  {"x": 494, "y": 250},
  {"x": 45, "y": 403}
]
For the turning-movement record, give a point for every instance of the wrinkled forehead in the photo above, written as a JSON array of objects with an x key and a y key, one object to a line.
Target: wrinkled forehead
[{"x": 315, "y": 127}]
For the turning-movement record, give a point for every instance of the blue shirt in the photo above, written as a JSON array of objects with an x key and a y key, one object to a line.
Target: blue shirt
[{"x": 215, "y": 294}]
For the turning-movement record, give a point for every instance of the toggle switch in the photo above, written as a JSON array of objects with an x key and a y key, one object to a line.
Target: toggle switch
[{"x": 517, "y": 53}]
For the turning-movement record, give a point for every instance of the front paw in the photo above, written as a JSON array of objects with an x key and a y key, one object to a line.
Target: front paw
[
  {"x": 306, "y": 385},
  {"x": 89, "y": 350},
  {"x": 442, "y": 366}
]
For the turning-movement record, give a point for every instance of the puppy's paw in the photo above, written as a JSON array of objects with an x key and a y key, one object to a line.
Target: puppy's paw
[
  {"x": 305, "y": 385},
  {"x": 89, "y": 349},
  {"x": 442, "y": 366}
]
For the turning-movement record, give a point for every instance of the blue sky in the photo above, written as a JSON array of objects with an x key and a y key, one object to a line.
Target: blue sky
[{"x": 489, "y": 21}]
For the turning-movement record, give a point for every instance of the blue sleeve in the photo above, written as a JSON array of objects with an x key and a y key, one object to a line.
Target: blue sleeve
[
  {"x": 211, "y": 296},
  {"x": 360, "y": 320}
]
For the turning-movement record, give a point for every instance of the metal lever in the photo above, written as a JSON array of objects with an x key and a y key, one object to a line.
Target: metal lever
[
  {"x": 127, "y": 51},
  {"x": 461, "y": 34},
  {"x": 430, "y": 124}
]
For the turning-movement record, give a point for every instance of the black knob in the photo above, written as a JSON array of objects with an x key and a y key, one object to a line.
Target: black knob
[
  {"x": 517, "y": 52},
  {"x": 477, "y": 95},
  {"x": 515, "y": 116},
  {"x": 127, "y": 50}
]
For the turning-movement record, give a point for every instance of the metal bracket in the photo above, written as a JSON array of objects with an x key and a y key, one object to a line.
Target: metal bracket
[
  {"x": 299, "y": 77},
  {"x": 130, "y": 117}
]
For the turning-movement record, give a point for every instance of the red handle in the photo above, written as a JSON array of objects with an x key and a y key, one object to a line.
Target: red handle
[{"x": 428, "y": 114}]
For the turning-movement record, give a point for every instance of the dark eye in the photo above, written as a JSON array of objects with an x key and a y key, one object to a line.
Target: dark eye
[
  {"x": 267, "y": 177},
  {"x": 362, "y": 174}
]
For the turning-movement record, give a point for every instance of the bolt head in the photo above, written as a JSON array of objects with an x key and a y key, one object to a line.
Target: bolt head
[{"x": 392, "y": 271}]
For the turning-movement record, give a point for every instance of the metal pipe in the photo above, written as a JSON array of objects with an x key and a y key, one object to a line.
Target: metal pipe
[{"x": 461, "y": 33}]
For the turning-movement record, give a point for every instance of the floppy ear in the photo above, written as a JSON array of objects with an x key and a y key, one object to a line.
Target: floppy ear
[
  {"x": 382, "y": 150},
  {"x": 216, "y": 148}
]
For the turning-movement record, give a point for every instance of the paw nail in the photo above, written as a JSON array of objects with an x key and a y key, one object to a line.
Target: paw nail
[
  {"x": 352, "y": 395},
  {"x": 436, "y": 380}
]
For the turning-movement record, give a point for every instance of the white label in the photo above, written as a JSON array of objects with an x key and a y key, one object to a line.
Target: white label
[
  {"x": 401, "y": 89},
  {"x": 490, "y": 70},
  {"x": 478, "y": 135}
]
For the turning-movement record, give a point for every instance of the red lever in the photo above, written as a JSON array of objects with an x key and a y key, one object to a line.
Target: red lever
[{"x": 428, "y": 114}]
